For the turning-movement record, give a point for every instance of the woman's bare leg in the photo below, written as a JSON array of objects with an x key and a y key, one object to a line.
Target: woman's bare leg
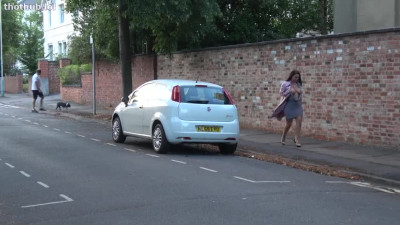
[
  {"x": 287, "y": 128},
  {"x": 299, "y": 121}
]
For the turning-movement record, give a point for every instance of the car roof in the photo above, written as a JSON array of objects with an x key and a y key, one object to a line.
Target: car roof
[{"x": 181, "y": 82}]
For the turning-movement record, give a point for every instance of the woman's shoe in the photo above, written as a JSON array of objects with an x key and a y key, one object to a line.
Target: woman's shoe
[
  {"x": 282, "y": 141},
  {"x": 297, "y": 143}
]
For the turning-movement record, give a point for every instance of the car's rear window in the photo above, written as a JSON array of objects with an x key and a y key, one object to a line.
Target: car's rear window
[{"x": 204, "y": 95}]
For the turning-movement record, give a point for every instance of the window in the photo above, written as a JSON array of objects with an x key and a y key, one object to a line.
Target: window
[
  {"x": 49, "y": 18},
  {"x": 60, "y": 52},
  {"x": 61, "y": 11},
  {"x": 65, "y": 48},
  {"x": 51, "y": 52}
]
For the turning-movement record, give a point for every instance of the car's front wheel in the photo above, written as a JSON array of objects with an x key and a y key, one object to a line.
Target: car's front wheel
[
  {"x": 117, "y": 134},
  {"x": 160, "y": 142},
  {"x": 227, "y": 148}
]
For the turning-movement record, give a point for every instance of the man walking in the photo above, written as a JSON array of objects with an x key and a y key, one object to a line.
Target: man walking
[{"x": 36, "y": 91}]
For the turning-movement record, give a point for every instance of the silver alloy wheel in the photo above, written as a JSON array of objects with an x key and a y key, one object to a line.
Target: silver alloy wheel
[
  {"x": 116, "y": 129},
  {"x": 157, "y": 138}
]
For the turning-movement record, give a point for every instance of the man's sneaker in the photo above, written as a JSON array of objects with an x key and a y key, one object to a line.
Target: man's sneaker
[
  {"x": 42, "y": 109},
  {"x": 34, "y": 111}
]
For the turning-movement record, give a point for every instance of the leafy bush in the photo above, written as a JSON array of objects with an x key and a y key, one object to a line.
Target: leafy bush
[
  {"x": 70, "y": 75},
  {"x": 85, "y": 68}
]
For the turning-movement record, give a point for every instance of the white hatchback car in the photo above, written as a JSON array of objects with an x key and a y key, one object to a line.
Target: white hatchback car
[{"x": 178, "y": 111}]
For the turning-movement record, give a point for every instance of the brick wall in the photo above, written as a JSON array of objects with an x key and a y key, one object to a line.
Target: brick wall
[
  {"x": 13, "y": 84},
  {"x": 351, "y": 82}
]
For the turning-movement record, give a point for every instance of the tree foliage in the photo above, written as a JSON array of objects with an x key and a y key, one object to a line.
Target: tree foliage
[
  {"x": 11, "y": 25},
  {"x": 31, "y": 48}
]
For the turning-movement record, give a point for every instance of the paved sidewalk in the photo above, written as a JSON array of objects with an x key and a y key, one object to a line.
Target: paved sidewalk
[{"x": 378, "y": 165}]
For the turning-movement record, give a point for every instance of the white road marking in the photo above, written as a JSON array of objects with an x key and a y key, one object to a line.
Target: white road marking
[
  {"x": 56, "y": 129},
  {"x": 36, "y": 123},
  {"x": 13, "y": 116},
  {"x": 111, "y": 144},
  {"x": 67, "y": 199},
  {"x": 67, "y": 132},
  {"x": 9, "y": 165},
  {"x": 262, "y": 181},
  {"x": 43, "y": 184},
  {"x": 94, "y": 139},
  {"x": 20, "y": 118},
  {"x": 366, "y": 185},
  {"x": 80, "y": 135},
  {"x": 203, "y": 168},
  {"x": 156, "y": 156},
  {"x": 131, "y": 150},
  {"x": 27, "y": 121},
  {"x": 45, "y": 126},
  {"x": 177, "y": 161},
  {"x": 24, "y": 173}
]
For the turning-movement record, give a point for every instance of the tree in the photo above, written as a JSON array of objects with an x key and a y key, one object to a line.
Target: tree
[
  {"x": 11, "y": 24},
  {"x": 31, "y": 48}
]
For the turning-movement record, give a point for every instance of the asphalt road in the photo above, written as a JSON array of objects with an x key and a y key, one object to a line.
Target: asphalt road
[{"x": 56, "y": 170}]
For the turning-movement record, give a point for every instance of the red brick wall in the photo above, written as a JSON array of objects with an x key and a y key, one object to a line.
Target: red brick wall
[
  {"x": 351, "y": 83},
  {"x": 72, "y": 94},
  {"x": 13, "y": 84}
]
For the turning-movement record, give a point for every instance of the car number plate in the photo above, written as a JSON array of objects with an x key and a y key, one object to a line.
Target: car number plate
[{"x": 208, "y": 129}]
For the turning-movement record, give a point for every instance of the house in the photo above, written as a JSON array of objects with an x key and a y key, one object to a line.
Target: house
[{"x": 57, "y": 27}]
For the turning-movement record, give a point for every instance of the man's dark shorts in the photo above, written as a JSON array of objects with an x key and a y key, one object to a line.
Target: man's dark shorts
[{"x": 36, "y": 93}]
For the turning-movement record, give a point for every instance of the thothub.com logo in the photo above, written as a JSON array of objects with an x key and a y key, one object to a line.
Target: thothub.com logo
[{"x": 43, "y": 5}]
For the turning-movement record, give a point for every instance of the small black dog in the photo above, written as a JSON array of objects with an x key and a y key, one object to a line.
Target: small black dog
[{"x": 62, "y": 104}]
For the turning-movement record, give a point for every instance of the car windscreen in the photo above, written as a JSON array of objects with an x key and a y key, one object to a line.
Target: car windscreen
[{"x": 204, "y": 95}]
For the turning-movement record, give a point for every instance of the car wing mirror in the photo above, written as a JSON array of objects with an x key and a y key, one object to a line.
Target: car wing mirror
[{"x": 124, "y": 100}]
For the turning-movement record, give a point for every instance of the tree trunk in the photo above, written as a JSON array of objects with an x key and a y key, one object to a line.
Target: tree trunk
[{"x": 125, "y": 56}]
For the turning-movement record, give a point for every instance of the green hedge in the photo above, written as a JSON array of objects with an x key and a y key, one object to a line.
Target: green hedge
[{"x": 71, "y": 75}]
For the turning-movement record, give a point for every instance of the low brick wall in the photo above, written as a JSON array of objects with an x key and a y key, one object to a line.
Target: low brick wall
[{"x": 13, "y": 84}]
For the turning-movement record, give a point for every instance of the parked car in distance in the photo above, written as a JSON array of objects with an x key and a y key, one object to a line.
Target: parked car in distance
[{"x": 172, "y": 111}]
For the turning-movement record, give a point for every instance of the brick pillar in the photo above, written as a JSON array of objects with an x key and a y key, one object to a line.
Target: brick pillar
[
  {"x": 64, "y": 62},
  {"x": 43, "y": 65}
]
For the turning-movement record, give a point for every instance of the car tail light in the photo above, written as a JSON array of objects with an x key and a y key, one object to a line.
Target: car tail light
[
  {"x": 228, "y": 96},
  {"x": 176, "y": 94}
]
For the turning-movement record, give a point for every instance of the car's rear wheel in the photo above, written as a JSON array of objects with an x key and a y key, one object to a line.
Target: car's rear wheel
[
  {"x": 160, "y": 142},
  {"x": 117, "y": 134},
  {"x": 227, "y": 148}
]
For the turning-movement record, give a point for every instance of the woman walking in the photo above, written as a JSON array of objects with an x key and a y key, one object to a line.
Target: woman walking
[{"x": 291, "y": 105}]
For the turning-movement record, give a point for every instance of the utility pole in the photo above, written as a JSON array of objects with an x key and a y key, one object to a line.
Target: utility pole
[
  {"x": 93, "y": 76},
  {"x": 1, "y": 51}
]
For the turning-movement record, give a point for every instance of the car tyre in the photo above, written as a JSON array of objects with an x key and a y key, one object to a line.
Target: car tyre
[
  {"x": 227, "y": 148},
  {"x": 117, "y": 133},
  {"x": 160, "y": 142}
]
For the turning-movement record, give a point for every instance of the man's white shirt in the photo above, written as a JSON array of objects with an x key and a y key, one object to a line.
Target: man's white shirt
[{"x": 35, "y": 78}]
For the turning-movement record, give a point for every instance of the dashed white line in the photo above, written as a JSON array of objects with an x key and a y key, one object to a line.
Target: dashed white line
[
  {"x": 43, "y": 184},
  {"x": 111, "y": 144},
  {"x": 45, "y": 126},
  {"x": 156, "y": 156},
  {"x": 204, "y": 168},
  {"x": 67, "y": 199},
  {"x": 67, "y": 132},
  {"x": 24, "y": 173},
  {"x": 9, "y": 165},
  {"x": 177, "y": 161},
  {"x": 80, "y": 135},
  {"x": 36, "y": 123},
  {"x": 56, "y": 129},
  {"x": 131, "y": 150},
  {"x": 27, "y": 121},
  {"x": 262, "y": 181},
  {"x": 94, "y": 139},
  {"x": 13, "y": 116}
]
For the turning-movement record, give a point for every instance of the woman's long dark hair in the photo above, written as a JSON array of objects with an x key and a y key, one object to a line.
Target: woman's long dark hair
[{"x": 294, "y": 72}]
